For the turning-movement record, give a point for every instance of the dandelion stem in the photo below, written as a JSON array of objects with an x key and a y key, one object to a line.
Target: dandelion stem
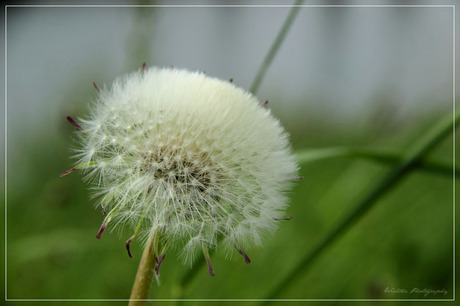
[
  {"x": 144, "y": 274},
  {"x": 408, "y": 163},
  {"x": 275, "y": 46}
]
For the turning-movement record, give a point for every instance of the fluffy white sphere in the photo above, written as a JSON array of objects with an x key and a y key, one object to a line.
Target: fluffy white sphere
[{"x": 187, "y": 154}]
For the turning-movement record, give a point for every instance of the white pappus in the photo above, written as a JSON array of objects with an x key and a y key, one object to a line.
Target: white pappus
[{"x": 195, "y": 160}]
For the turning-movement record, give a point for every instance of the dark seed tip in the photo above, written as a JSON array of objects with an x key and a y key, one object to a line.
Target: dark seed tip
[
  {"x": 73, "y": 122},
  {"x": 127, "y": 248},
  {"x": 67, "y": 172},
  {"x": 285, "y": 219},
  {"x": 245, "y": 256},
  {"x": 96, "y": 87},
  {"x": 159, "y": 260},
  {"x": 211, "y": 270},
  {"x": 101, "y": 230}
]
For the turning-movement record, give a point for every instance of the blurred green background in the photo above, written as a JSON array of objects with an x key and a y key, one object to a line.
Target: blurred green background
[{"x": 367, "y": 77}]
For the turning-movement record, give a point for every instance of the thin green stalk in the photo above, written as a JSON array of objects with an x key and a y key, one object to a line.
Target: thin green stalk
[
  {"x": 378, "y": 155},
  {"x": 144, "y": 274},
  {"x": 190, "y": 274},
  {"x": 414, "y": 155},
  {"x": 275, "y": 46}
]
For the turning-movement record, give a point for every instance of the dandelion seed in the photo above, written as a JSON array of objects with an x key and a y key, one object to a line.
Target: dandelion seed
[
  {"x": 73, "y": 122},
  {"x": 67, "y": 172},
  {"x": 158, "y": 260},
  {"x": 245, "y": 256},
  {"x": 96, "y": 87},
  {"x": 284, "y": 219},
  {"x": 192, "y": 159},
  {"x": 101, "y": 230}
]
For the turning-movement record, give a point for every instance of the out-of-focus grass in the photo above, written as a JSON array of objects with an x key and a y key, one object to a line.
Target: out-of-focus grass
[
  {"x": 409, "y": 162},
  {"x": 404, "y": 242}
]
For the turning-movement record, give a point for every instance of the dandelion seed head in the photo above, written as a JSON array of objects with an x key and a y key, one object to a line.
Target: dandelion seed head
[{"x": 190, "y": 154}]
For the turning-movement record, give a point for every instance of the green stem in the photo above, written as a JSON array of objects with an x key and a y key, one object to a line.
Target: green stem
[
  {"x": 414, "y": 155},
  {"x": 275, "y": 46},
  {"x": 378, "y": 155},
  {"x": 144, "y": 274}
]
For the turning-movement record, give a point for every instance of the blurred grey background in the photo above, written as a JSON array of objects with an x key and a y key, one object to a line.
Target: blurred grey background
[{"x": 334, "y": 64}]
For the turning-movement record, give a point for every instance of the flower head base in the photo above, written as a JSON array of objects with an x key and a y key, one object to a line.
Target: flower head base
[{"x": 194, "y": 159}]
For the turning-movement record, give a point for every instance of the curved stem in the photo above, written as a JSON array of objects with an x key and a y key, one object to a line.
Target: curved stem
[{"x": 144, "y": 274}]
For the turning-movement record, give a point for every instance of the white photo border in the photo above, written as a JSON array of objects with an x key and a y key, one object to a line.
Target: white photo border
[{"x": 227, "y": 300}]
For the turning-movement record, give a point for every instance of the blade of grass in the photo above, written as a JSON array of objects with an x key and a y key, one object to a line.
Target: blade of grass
[
  {"x": 410, "y": 160},
  {"x": 275, "y": 46},
  {"x": 378, "y": 155},
  {"x": 190, "y": 274}
]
